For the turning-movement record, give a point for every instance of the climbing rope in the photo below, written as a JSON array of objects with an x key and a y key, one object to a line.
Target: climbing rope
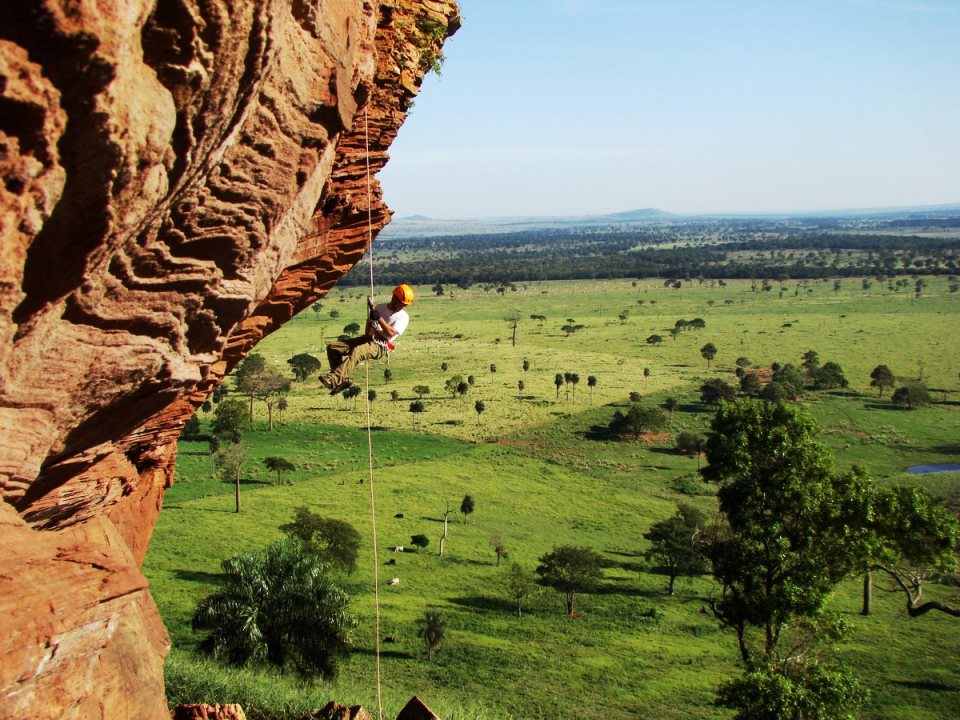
[{"x": 366, "y": 366}]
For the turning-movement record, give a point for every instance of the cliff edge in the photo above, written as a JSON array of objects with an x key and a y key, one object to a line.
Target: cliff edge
[{"x": 180, "y": 177}]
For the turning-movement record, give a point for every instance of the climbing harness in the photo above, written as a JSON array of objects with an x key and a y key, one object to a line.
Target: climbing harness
[{"x": 366, "y": 366}]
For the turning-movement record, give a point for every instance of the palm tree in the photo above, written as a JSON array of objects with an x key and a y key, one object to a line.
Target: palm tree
[
  {"x": 432, "y": 630},
  {"x": 277, "y": 606}
]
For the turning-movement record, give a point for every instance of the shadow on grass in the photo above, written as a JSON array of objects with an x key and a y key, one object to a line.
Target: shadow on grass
[
  {"x": 884, "y": 406},
  {"x": 628, "y": 590},
  {"x": 932, "y": 685},
  {"x": 945, "y": 449},
  {"x": 199, "y": 576},
  {"x": 600, "y": 433},
  {"x": 479, "y": 602},
  {"x": 398, "y": 654}
]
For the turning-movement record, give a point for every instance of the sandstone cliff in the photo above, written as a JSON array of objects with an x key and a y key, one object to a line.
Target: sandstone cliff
[{"x": 180, "y": 177}]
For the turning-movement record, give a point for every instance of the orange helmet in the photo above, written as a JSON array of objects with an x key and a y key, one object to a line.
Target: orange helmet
[{"x": 403, "y": 293}]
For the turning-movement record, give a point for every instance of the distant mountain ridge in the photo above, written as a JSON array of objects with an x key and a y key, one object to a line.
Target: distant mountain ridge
[{"x": 423, "y": 226}]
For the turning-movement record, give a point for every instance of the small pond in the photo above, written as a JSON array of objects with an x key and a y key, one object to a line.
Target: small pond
[{"x": 933, "y": 468}]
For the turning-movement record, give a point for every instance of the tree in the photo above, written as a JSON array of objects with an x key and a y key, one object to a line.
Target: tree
[
  {"x": 774, "y": 391},
  {"x": 574, "y": 381},
  {"x": 672, "y": 544},
  {"x": 750, "y": 383},
  {"x": 558, "y": 381},
  {"x": 708, "y": 352},
  {"x": 811, "y": 361},
  {"x": 191, "y": 429},
  {"x": 882, "y": 376},
  {"x": 433, "y": 631},
  {"x": 520, "y": 585},
  {"x": 278, "y": 606},
  {"x": 691, "y": 444},
  {"x": 387, "y": 375},
  {"x": 479, "y": 407},
  {"x": 251, "y": 366},
  {"x": 526, "y": 365},
  {"x": 670, "y": 404},
  {"x": 793, "y": 529},
  {"x": 229, "y": 460},
  {"x": 394, "y": 395},
  {"x": 419, "y": 540},
  {"x": 351, "y": 329},
  {"x": 520, "y": 386},
  {"x": 303, "y": 365},
  {"x": 742, "y": 362},
  {"x": 230, "y": 420},
  {"x": 280, "y": 466},
  {"x": 467, "y": 506},
  {"x": 453, "y": 384},
  {"x": 913, "y": 395},
  {"x": 790, "y": 377},
  {"x": 919, "y": 540},
  {"x": 499, "y": 549},
  {"x": 416, "y": 407},
  {"x": 513, "y": 320},
  {"x": 829, "y": 375},
  {"x": 591, "y": 383},
  {"x": 570, "y": 569},
  {"x": 636, "y": 420},
  {"x": 352, "y": 393},
  {"x": 260, "y": 380},
  {"x": 317, "y": 308},
  {"x": 421, "y": 390},
  {"x": 715, "y": 391},
  {"x": 334, "y": 541}
]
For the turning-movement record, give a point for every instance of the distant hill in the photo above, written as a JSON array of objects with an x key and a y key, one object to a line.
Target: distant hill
[{"x": 643, "y": 214}]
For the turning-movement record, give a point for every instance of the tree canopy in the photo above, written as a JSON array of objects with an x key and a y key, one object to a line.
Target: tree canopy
[{"x": 570, "y": 569}]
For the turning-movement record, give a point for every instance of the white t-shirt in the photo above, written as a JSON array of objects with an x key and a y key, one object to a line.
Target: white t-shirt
[{"x": 397, "y": 320}]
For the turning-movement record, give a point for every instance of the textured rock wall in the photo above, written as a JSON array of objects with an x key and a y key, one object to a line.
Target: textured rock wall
[{"x": 180, "y": 177}]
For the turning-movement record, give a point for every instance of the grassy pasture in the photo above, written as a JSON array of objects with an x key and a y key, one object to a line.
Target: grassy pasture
[{"x": 543, "y": 473}]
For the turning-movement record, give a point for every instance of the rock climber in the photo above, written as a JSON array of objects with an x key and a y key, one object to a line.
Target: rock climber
[{"x": 385, "y": 324}]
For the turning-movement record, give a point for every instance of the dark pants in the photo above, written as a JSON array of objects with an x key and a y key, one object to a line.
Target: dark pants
[{"x": 346, "y": 355}]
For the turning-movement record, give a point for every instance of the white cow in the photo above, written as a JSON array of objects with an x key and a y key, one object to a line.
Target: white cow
[
  {"x": 395, "y": 581},
  {"x": 398, "y": 548}
]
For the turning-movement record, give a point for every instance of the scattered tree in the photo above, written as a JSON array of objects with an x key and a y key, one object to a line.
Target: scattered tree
[
  {"x": 351, "y": 329},
  {"x": 690, "y": 443},
  {"x": 433, "y": 630},
  {"x": 228, "y": 461},
  {"x": 636, "y": 420},
  {"x": 416, "y": 407},
  {"x": 499, "y": 549},
  {"x": 467, "y": 506},
  {"x": 421, "y": 390},
  {"x": 280, "y": 466},
  {"x": 829, "y": 375},
  {"x": 513, "y": 320},
  {"x": 570, "y": 569},
  {"x": 230, "y": 420},
  {"x": 750, "y": 384},
  {"x": 882, "y": 376},
  {"x": 419, "y": 540},
  {"x": 708, "y": 352},
  {"x": 334, "y": 541},
  {"x": 591, "y": 383},
  {"x": 303, "y": 365},
  {"x": 654, "y": 339},
  {"x": 558, "y": 381},
  {"x": 521, "y": 584},
  {"x": 715, "y": 391},
  {"x": 913, "y": 395},
  {"x": 672, "y": 544}
]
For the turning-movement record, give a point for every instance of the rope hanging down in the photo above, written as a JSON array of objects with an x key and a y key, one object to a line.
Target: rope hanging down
[{"x": 373, "y": 505}]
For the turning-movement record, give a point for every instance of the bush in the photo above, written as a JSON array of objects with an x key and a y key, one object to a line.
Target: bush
[{"x": 278, "y": 606}]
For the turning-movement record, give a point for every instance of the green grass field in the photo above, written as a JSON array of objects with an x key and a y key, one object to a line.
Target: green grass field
[{"x": 542, "y": 473}]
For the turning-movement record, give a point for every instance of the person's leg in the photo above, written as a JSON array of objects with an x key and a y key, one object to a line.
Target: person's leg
[
  {"x": 360, "y": 351},
  {"x": 335, "y": 352}
]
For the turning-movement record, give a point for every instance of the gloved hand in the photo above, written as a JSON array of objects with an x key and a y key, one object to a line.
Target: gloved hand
[{"x": 374, "y": 315}]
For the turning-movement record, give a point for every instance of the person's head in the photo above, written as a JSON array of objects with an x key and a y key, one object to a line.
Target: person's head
[{"x": 402, "y": 295}]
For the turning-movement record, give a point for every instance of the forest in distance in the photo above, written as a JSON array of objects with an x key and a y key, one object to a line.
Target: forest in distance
[{"x": 682, "y": 249}]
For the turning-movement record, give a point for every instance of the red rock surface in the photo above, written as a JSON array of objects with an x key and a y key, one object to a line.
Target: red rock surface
[{"x": 180, "y": 177}]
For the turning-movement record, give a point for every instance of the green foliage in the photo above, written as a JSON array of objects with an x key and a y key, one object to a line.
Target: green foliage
[
  {"x": 520, "y": 584},
  {"x": 672, "y": 544},
  {"x": 191, "y": 429},
  {"x": 570, "y": 569},
  {"x": 636, "y": 420},
  {"x": 335, "y": 542},
  {"x": 303, "y": 365},
  {"x": 278, "y": 606},
  {"x": 279, "y": 465},
  {"x": 421, "y": 390},
  {"x": 708, "y": 352},
  {"x": 690, "y": 443},
  {"x": 829, "y": 375},
  {"x": 231, "y": 420},
  {"x": 419, "y": 540},
  {"x": 750, "y": 384},
  {"x": 882, "y": 377},
  {"x": 714, "y": 391},
  {"x": 810, "y": 692},
  {"x": 912, "y": 395},
  {"x": 467, "y": 506},
  {"x": 790, "y": 379}
]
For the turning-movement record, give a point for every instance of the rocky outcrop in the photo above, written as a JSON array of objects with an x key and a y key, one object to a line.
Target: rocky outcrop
[{"x": 180, "y": 177}]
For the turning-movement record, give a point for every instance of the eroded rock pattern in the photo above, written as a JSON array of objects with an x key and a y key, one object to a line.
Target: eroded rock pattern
[{"x": 180, "y": 177}]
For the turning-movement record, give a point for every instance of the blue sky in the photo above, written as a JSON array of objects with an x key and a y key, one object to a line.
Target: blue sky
[{"x": 571, "y": 107}]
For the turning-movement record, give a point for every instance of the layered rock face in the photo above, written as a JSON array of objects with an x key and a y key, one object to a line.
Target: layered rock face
[{"x": 180, "y": 177}]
